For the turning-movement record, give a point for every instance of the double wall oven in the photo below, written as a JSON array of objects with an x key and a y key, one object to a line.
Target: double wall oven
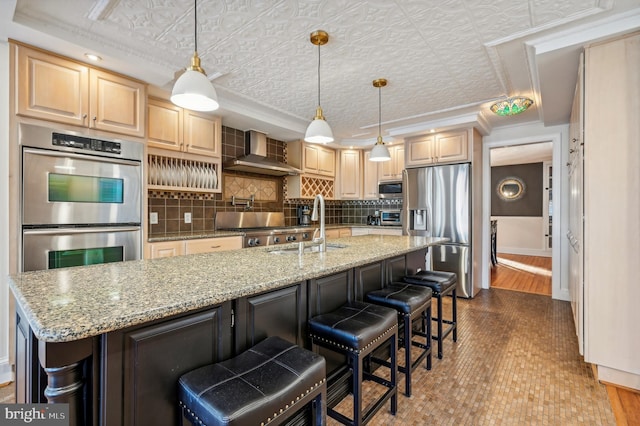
[{"x": 81, "y": 199}]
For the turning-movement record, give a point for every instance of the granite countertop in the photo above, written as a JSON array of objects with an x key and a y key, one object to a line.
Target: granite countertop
[{"x": 74, "y": 303}]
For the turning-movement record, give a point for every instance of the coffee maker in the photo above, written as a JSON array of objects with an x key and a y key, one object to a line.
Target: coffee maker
[{"x": 304, "y": 215}]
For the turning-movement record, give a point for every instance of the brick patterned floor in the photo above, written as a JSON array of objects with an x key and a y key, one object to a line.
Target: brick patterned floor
[{"x": 516, "y": 362}]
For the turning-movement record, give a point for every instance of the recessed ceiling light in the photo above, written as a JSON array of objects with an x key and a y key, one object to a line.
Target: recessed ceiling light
[
  {"x": 433, "y": 130},
  {"x": 93, "y": 57}
]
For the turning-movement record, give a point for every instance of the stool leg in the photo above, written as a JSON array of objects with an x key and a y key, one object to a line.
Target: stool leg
[
  {"x": 407, "y": 354},
  {"x": 439, "y": 318},
  {"x": 454, "y": 314},
  {"x": 427, "y": 315},
  {"x": 394, "y": 372},
  {"x": 357, "y": 389},
  {"x": 318, "y": 409}
]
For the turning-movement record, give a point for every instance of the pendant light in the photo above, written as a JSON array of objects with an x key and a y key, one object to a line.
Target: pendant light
[
  {"x": 380, "y": 152},
  {"x": 193, "y": 90},
  {"x": 319, "y": 130},
  {"x": 511, "y": 106}
]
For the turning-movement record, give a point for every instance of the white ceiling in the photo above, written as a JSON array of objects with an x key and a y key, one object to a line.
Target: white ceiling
[
  {"x": 521, "y": 154},
  {"x": 445, "y": 61}
]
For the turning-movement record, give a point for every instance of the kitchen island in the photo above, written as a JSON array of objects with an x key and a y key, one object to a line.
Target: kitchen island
[{"x": 112, "y": 339}]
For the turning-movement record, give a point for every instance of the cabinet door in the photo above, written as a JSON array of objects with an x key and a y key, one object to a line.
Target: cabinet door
[
  {"x": 52, "y": 88},
  {"x": 451, "y": 147},
  {"x": 350, "y": 173},
  {"x": 210, "y": 245},
  {"x": 368, "y": 278},
  {"x": 399, "y": 160},
  {"x": 396, "y": 268},
  {"x": 166, "y": 249},
  {"x": 420, "y": 150},
  {"x": 326, "y": 162},
  {"x": 392, "y": 169},
  {"x": 117, "y": 104},
  {"x": 203, "y": 133},
  {"x": 154, "y": 357},
  {"x": 370, "y": 174},
  {"x": 280, "y": 313},
  {"x": 311, "y": 158},
  {"x": 164, "y": 128}
]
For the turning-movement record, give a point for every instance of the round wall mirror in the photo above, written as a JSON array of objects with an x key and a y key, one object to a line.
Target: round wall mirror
[{"x": 510, "y": 189}]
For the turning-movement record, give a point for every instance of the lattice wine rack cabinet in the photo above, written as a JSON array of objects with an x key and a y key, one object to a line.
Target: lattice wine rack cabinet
[
  {"x": 304, "y": 186},
  {"x": 168, "y": 173}
]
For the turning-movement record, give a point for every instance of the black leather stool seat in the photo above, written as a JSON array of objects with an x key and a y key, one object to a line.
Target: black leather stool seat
[
  {"x": 356, "y": 329},
  {"x": 412, "y": 303},
  {"x": 438, "y": 281},
  {"x": 354, "y": 326},
  {"x": 263, "y": 385},
  {"x": 442, "y": 284}
]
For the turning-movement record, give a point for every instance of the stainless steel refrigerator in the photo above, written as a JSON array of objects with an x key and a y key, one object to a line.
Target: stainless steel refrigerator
[{"x": 437, "y": 203}]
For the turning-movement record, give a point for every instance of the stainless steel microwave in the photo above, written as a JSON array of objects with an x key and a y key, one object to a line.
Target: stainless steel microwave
[{"x": 390, "y": 189}]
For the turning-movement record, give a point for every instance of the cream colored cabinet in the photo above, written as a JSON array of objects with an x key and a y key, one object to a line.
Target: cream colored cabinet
[
  {"x": 369, "y": 177},
  {"x": 312, "y": 158},
  {"x": 166, "y": 249},
  {"x": 204, "y": 245},
  {"x": 350, "y": 174},
  {"x": 337, "y": 233},
  {"x": 445, "y": 147},
  {"x": 392, "y": 169},
  {"x": 176, "y": 129},
  {"x": 210, "y": 245},
  {"x": 57, "y": 89}
]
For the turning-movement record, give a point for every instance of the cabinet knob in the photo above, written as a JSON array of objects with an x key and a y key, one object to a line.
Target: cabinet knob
[{"x": 84, "y": 116}]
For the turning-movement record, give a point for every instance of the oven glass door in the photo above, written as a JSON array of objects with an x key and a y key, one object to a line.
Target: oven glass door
[
  {"x": 62, "y": 188},
  {"x": 54, "y": 248}
]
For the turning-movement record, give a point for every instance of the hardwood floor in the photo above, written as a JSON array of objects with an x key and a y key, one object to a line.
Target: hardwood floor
[
  {"x": 528, "y": 274},
  {"x": 532, "y": 274}
]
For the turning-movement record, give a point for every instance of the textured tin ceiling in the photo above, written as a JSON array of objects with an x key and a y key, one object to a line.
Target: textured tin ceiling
[{"x": 445, "y": 60}]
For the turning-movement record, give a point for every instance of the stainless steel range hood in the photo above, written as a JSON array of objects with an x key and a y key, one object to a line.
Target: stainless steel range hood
[{"x": 256, "y": 161}]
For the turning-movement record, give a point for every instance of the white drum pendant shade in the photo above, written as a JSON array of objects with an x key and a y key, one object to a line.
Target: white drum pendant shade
[
  {"x": 194, "y": 91},
  {"x": 380, "y": 152},
  {"x": 319, "y": 131}
]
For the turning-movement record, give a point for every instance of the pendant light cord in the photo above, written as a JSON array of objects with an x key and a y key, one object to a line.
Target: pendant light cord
[
  {"x": 379, "y": 111},
  {"x": 318, "y": 74},
  {"x": 195, "y": 26}
]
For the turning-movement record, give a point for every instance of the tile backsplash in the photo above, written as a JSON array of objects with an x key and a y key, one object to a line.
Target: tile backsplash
[{"x": 171, "y": 206}]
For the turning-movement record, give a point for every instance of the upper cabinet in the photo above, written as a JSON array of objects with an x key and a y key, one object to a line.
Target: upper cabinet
[
  {"x": 448, "y": 147},
  {"x": 58, "y": 89},
  {"x": 369, "y": 177},
  {"x": 176, "y": 129},
  {"x": 350, "y": 174},
  {"x": 312, "y": 158},
  {"x": 392, "y": 170}
]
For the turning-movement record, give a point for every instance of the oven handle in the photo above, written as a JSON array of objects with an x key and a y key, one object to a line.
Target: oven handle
[
  {"x": 81, "y": 157},
  {"x": 83, "y": 230}
]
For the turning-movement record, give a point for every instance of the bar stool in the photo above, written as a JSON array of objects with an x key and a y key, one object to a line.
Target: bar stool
[
  {"x": 411, "y": 303},
  {"x": 264, "y": 385},
  {"x": 442, "y": 284},
  {"x": 356, "y": 329}
]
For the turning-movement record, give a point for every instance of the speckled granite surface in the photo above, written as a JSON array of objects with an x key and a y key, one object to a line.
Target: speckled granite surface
[{"x": 73, "y": 303}]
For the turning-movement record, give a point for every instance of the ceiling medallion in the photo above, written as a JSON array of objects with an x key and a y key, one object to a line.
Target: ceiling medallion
[{"x": 511, "y": 106}]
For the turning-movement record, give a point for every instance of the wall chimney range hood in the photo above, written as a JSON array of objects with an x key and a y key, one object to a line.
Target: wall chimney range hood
[{"x": 255, "y": 159}]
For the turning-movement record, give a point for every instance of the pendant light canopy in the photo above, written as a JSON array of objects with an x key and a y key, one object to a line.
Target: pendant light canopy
[
  {"x": 380, "y": 152},
  {"x": 193, "y": 90},
  {"x": 511, "y": 106},
  {"x": 319, "y": 130}
]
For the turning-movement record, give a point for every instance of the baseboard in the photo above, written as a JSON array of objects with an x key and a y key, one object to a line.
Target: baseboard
[
  {"x": 6, "y": 372},
  {"x": 524, "y": 251},
  {"x": 619, "y": 378}
]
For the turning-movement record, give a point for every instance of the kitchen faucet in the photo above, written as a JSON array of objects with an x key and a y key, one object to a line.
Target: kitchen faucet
[{"x": 322, "y": 239}]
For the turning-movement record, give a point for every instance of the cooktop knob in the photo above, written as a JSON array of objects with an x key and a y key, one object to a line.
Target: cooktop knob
[
  {"x": 291, "y": 238},
  {"x": 276, "y": 240}
]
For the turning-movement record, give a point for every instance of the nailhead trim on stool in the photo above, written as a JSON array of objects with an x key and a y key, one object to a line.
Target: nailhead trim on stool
[{"x": 264, "y": 385}]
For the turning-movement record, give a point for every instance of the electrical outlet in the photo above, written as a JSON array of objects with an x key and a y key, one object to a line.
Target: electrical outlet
[
  {"x": 187, "y": 217},
  {"x": 153, "y": 218}
]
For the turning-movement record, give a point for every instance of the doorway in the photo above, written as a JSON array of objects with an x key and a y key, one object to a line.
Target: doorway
[{"x": 552, "y": 186}]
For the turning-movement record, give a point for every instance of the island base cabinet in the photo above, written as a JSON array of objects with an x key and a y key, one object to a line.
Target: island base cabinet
[{"x": 143, "y": 365}]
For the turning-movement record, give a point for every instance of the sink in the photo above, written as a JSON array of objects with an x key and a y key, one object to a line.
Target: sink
[{"x": 307, "y": 249}]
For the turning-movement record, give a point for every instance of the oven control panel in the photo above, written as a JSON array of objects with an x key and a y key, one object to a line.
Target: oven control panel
[{"x": 89, "y": 144}]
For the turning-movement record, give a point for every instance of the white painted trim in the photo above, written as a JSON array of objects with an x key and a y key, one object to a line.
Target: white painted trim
[
  {"x": 525, "y": 251},
  {"x": 6, "y": 372},
  {"x": 618, "y": 377},
  {"x": 532, "y": 134}
]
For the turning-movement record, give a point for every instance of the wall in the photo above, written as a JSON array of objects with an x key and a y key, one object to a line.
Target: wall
[
  {"x": 6, "y": 374},
  {"x": 521, "y": 235}
]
